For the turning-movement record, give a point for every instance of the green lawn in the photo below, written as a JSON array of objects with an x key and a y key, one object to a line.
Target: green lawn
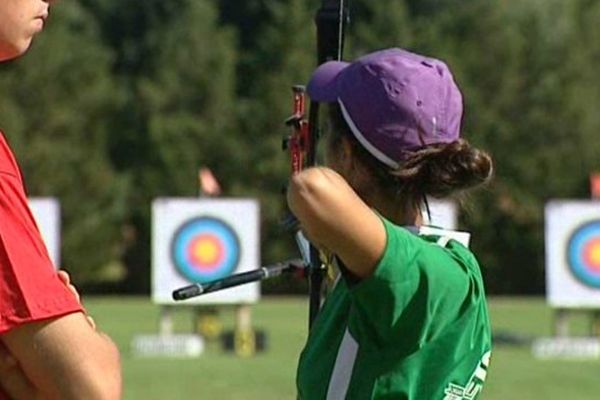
[{"x": 514, "y": 373}]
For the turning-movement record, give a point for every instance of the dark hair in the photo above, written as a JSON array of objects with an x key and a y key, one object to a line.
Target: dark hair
[{"x": 439, "y": 170}]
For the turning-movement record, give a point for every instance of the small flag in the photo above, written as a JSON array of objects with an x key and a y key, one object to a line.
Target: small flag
[
  {"x": 595, "y": 185},
  {"x": 209, "y": 186}
]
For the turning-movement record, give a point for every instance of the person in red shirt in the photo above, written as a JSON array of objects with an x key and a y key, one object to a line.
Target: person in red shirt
[{"x": 49, "y": 347}]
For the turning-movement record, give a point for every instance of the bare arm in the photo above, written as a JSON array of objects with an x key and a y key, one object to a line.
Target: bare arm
[
  {"x": 333, "y": 216},
  {"x": 65, "y": 358},
  {"x": 61, "y": 358},
  {"x": 13, "y": 380}
]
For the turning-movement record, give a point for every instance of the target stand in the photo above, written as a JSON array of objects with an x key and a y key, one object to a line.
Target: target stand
[
  {"x": 244, "y": 341},
  {"x": 199, "y": 240}
]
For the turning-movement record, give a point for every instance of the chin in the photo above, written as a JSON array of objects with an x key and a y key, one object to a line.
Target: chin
[{"x": 15, "y": 50}]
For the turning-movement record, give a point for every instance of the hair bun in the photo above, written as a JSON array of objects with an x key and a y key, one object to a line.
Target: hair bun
[{"x": 441, "y": 170}]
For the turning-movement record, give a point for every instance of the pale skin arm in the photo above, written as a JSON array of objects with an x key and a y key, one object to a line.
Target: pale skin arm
[
  {"x": 61, "y": 358},
  {"x": 12, "y": 379},
  {"x": 334, "y": 217}
]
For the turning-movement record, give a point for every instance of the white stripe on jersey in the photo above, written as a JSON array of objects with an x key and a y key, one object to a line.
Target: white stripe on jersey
[{"x": 342, "y": 370}]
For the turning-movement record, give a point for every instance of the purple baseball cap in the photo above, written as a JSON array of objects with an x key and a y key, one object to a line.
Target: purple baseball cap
[{"x": 394, "y": 101}]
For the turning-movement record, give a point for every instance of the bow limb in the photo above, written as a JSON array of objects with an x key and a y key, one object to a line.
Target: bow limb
[{"x": 331, "y": 21}]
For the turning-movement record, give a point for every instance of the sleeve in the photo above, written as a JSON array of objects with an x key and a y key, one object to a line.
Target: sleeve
[
  {"x": 411, "y": 287},
  {"x": 30, "y": 289}
]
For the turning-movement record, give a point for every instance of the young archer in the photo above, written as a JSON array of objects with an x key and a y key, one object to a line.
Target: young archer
[{"x": 408, "y": 317}]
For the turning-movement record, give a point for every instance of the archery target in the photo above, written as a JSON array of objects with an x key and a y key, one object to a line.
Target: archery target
[
  {"x": 205, "y": 249},
  {"x": 573, "y": 253},
  {"x": 583, "y": 253},
  {"x": 46, "y": 211},
  {"x": 202, "y": 240}
]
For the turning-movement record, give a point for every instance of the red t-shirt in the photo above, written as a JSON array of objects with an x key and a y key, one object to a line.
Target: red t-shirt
[{"x": 29, "y": 286}]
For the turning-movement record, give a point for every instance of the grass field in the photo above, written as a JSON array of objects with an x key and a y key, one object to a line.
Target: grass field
[{"x": 217, "y": 375}]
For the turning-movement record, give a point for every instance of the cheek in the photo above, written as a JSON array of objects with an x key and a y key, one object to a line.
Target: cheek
[{"x": 15, "y": 35}]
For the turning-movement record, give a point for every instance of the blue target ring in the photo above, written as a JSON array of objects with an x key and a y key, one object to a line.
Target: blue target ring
[
  {"x": 583, "y": 254},
  {"x": 204, "y": 249}
]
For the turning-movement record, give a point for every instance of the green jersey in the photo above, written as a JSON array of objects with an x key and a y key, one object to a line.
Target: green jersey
[{"x": 417, "y": 329}]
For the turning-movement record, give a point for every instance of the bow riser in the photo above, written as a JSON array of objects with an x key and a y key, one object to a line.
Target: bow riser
[{"x": 299, "y": 143}]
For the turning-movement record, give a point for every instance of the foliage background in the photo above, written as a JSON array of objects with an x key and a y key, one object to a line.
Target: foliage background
[{"x": 120, "y": 102}]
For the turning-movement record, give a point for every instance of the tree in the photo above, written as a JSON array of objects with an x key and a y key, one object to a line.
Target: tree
[
  {"x": 177, "y": 68},
  {"x": 56, "y": 110}
]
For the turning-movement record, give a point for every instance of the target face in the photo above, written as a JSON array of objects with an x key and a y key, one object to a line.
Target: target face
[
  {"x": 583, "y": 254},
  {"x": 198, "y": 240},
  {"x": 204, "y": 249}
]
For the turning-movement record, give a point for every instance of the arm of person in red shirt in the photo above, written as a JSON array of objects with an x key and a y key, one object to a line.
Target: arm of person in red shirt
[
  {"x": 60, "y": 358},
  {"x": 12, "y": 378}
]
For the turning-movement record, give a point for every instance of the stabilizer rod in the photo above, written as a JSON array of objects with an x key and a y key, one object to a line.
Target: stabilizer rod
[{"x": 269, "y": 271}]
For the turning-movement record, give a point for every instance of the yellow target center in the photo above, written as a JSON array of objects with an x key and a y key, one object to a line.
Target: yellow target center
[
  {"x": 595, "y": 255},
  {"x": 206, "y": 251}
]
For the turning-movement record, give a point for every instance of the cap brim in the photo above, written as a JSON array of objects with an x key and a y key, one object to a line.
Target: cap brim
[{"x": 322, "y": 86}]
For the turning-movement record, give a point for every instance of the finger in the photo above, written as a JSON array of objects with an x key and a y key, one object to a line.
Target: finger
[
  {"x": 64, "y": 277},
  {"x": 91, "y": 322},
  {"x": 73, "y": 290}
]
